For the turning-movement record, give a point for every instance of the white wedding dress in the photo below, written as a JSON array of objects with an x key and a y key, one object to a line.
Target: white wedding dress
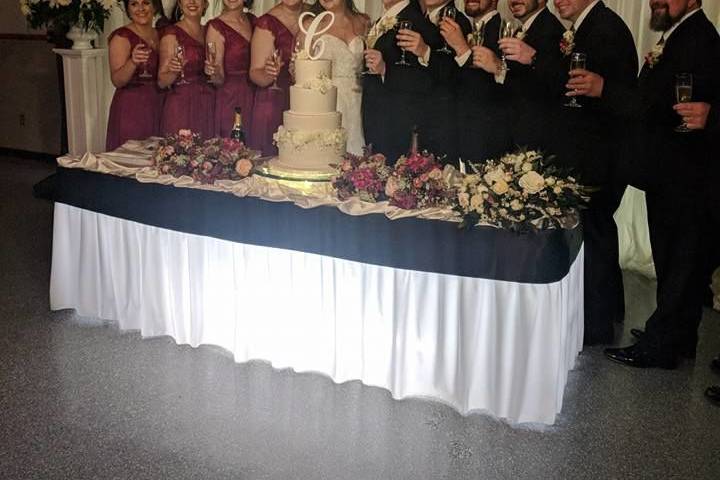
[{"x": 347, "y": 63}]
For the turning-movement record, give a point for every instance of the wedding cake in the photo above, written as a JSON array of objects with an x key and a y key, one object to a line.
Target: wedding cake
[{"x": 311, "y": 137}]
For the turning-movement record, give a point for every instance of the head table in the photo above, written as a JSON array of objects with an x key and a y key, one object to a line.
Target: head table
[{"x": 481, "y": 319}]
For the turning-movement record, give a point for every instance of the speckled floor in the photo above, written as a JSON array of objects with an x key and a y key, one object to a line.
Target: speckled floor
[{"x": 82, "y": 400}]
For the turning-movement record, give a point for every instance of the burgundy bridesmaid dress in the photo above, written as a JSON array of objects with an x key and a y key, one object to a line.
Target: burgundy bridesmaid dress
[
  {"x": 136, "y": 107},
  {"x": 238, "y": 90},
  {"x": 190, "y": 105},
  {"x": 269, "y": 103}
]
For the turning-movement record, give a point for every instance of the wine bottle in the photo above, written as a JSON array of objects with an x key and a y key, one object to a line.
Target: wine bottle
[
  {"x": 237, "y": 132},
  {"x": 414, "y": 141}
]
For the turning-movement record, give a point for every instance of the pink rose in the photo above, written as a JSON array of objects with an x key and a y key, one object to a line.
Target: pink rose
[
  {"x": 184, "y": 132},
  {"x": 243, "y": 167},
  {"x": 207, "y": 166}
]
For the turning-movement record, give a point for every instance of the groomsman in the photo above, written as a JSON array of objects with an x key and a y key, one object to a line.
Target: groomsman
[
  {"x": 677, "y": 168},
  {"x": 484, "y": 129},
  {"x": 534, "y": 72},
  {"x": 395, "y": 96},
  {"x": 592, "y": 144}
]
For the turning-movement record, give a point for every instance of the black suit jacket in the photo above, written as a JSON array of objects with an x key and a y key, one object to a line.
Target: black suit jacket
[
  {"x": 393, "y": 105},
  {"x": 484, "y": 129},
  {"x": 536, "y": 91},
  {"x": 593, "y": 135},
  {"x": 673, "y": 167}
]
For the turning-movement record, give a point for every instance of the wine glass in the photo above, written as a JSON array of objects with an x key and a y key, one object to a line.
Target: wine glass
[
  {"x": 404, "y": 25},
  {"x": 683, "y": 94},
  {"x": 507, "y": 30},
  {"x": 211, "y": 56},
  {"x": 577, "y": 61},
  {"x": 180, "y": 55},
  {"x": 450, "y": 12},
  {"x": 144, "y": 73},
  {"x": 276, "y": 58}
]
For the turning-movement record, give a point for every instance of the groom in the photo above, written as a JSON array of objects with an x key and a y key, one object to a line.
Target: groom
[{"x": 394, "y": 96}]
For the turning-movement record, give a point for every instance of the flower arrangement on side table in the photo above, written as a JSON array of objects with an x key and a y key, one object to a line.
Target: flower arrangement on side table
[
  {"x": 61, "y": 15},
  {"x": 185, "y": 154},
  {"x": 521, "y": 191}
]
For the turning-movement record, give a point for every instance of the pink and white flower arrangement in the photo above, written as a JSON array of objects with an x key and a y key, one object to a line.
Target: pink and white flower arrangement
[
  {"x": 417, "y": 182},
  {"x": 185, "y": 154},
  {"x": 653, "y": 57},
  {"x": 361, "y": 176},
  {"x": 567, "y": 43}
]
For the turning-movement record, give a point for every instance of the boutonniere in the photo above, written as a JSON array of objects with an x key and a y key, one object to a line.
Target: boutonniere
[
  {"x": 380, "y": 28},
  {"x": 653, "y": 56},
  {"x": 567, "y": 44}
]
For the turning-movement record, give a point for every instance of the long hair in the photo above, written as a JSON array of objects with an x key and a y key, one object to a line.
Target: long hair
[{"x": 318, "y": 8}]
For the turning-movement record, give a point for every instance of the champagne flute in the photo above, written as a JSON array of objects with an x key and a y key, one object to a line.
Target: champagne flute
[
  {"x": 683, "y": 94},
  {"x": 211, "y": 56},
  {"x": 478, "y": 34},
  {"x": 404, "y": 25},
  {"x": 577, "y": 61},
  {"x": 144, "y": 73},
  {"x": 180, "y": 55},
  {"x": 276, "y": 58},
  {"x": 507, "y": 30},
  {"x": 450, "y": 12}
]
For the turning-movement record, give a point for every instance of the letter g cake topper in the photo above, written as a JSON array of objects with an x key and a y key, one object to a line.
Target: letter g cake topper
[{"x": 314, "y": 48}]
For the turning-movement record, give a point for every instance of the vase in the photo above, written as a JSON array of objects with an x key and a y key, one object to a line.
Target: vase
[{"x": 81, "y": 38}]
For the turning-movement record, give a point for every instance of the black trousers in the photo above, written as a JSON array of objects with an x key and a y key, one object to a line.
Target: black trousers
[
  {"x": 604, "y": 293},
  {"x": 679, "y": 241}
]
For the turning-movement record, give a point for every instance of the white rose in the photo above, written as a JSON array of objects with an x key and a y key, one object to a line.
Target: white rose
[
  {"x": 550, "y": 181},
  {"x": 500, "y": 187},
  {"x": 494, "y": 176},
  {"x": 526, "y": 167},
  {"x": 532, "y": 182},
  {"x": 516, "y": 205},
  {"x": 463, "y": 199},
  {"x": 557, "y": 190},
  {"x": 476, "y": 202}
]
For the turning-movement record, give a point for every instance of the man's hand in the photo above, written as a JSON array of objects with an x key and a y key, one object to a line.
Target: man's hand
[
  {"x": 453, "y": 35},
  {"x": 517, "y": 50},
  {"x": 585, "y": 83},
  {"x": 694, "y": 114},
  {"x": 412, "y": 42},
  {"x": 486, "y": 59}
]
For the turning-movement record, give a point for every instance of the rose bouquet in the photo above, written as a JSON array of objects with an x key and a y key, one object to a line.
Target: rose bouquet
[
  {"x": 185, "y": 154},
  {"x": 417, "y": 182},
  {"x": 362, "y": 176},
  {"x": 520, "y": 191},
  {"x": 60, "y": 15}
]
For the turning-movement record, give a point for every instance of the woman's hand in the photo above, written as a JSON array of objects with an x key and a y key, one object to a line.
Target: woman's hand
[
  {"x": 175, "y": 65},
  {"x": 140, "y": 54},
  {"x": 374, "y": 61},
  {"x": 271, "y": 68}
]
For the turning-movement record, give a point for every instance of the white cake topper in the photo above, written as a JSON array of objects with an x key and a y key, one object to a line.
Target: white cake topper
[{"x": 312, "y": 45}]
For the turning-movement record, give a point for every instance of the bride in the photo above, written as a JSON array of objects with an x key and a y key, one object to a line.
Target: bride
[{"x": 344, "y": 47}]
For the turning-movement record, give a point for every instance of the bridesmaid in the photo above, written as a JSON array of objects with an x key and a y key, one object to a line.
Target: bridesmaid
[
  {"x": 230, "y": 33},
  {"x": 275, "y": 30},
  {"x": 137, "y": 102},
  {"x": 190, "y": 102}
]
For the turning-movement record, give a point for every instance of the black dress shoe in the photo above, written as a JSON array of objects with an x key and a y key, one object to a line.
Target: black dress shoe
[
  {"x": 685, "y": 352},
  {"x": 713, "y": 394},
  {"x": 634, "y": 356},
  {"x": 715, "y": 364}
]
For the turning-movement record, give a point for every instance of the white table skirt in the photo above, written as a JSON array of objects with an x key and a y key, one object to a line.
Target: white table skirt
[{"x": 476, "y": 344}]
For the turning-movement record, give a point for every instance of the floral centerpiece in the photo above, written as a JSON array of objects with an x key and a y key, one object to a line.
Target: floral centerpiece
[
  {"x": 417, "y": 182},
  {"x": 361, "y": 176},
  {"x": 61, "y": 15},
  {"x": 521, "y": 191},
  {"x": 185, "y": 154}
]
